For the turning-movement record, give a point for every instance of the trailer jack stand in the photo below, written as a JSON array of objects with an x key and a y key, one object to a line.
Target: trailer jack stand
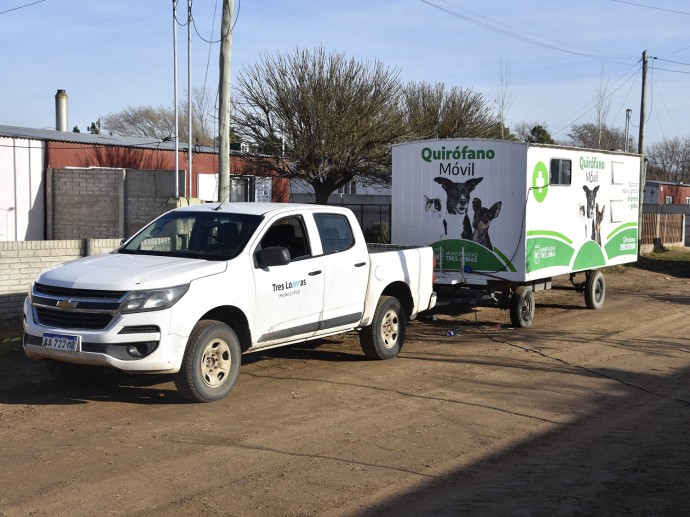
[{"x": 579, "y": 286}]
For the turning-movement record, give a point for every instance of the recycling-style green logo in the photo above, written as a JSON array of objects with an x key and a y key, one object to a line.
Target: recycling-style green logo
[{"x": 540, "y": 181}]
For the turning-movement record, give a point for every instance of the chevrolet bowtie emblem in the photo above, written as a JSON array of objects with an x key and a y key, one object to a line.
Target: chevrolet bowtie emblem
[{"x": 67, "y": 304}]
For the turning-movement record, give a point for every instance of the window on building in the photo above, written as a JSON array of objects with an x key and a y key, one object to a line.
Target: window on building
[
  {"x": 349, "y": 188},
  {"x": 559, "y": 174},
  {"x": 668, "y": 200},
  {"x": 687, "y": 200}
]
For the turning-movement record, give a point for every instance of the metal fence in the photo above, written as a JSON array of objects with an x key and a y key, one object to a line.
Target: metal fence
[{"x": 375, "y": 221}]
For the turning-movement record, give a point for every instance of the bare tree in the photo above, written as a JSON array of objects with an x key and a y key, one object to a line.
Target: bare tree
[
  {"x": 504, "y": 100},
  {"x": 591, "y": 136},
  {"x": 158, "y": 122},
  {"x": 321, "y": 118},
  {"x": 669, "y": 160},
  {"x": 141, "y": 122},
  {"x": 602, "y": 106},
  {"x": 432, "y": 111}
]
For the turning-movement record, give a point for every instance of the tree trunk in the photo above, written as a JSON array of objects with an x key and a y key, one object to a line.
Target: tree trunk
[{"x": 321, "y": 193}]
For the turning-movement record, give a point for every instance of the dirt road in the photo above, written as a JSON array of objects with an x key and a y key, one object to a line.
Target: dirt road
[{"x": 584, "y": 413}]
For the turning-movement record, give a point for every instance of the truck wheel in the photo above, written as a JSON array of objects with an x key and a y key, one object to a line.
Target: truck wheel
[
  {"x": 384, "y": 338},
  {"x": 595, "y": 290},
  {"x": 70, "y": 373},
  {"x": 211, "y": 363},
  {"x": 522, "y": 307}
]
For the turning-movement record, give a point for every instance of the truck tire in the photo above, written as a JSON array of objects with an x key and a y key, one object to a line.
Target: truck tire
[
  {"x": 522, "y": 307},
  {"x": 69, "y": 373},
  {"x": 595, "y": 289},
  {"x": 211, "y": 363},
  {"x": 384, "y": 338}
]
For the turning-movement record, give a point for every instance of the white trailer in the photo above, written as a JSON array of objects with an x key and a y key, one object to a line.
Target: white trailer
[{"x": 505, "y": 217}]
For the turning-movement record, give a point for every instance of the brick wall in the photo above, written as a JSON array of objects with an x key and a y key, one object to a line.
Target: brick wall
[
  {"x": 22, "y": 261},
  {"x": 105, "y": 203},
  {"x": 86, "y": 203}
]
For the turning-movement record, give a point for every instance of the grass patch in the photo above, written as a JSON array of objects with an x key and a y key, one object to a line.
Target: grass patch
[
  {"x": 10, "y": 346},
  {"x": 672, "y": 261},
  {"x": 676, "y": 254}
]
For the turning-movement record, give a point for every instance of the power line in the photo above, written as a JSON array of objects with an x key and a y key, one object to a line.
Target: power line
[
  {"x": 651, "y": 7},
  {"x": 589, "y": 106},
  {"x": 22, "y": 6},
  {"x": 511, "y": 34}
]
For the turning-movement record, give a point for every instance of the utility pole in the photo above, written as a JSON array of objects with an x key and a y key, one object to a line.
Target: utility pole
[
  {"x": 224, "y": 101},
  {"x": 189, "y": 93},
  {"x": 177, "y": 114},
  {"x": 640, "y": 151},
  {"x": 643, "y": 102}
]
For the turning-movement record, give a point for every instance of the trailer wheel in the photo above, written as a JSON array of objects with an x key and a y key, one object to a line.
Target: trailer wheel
[
  {"x": 384, "y": 338},
  {"x": 211, "y": 363},
  {"x": 595, "y": 289},
  {"x": 69, "y": 373},
  {"x": 522, "y": 307}
]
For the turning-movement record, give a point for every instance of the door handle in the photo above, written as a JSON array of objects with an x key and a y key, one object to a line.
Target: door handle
[
  {"x": 314, "y": 273},
  {"x": 360, "y": 264}
]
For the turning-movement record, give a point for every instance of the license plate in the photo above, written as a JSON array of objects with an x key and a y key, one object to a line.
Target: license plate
[{"x": 60, "y": 342}]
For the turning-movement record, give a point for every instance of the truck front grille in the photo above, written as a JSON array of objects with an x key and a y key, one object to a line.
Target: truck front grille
[{"x": 79, "y": 309}]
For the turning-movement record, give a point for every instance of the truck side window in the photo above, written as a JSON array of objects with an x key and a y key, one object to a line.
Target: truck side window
[
  {"x": 559, "y": 173},
  {"x": 335, "y": 232},
  {"x": 289, "y": 233}
]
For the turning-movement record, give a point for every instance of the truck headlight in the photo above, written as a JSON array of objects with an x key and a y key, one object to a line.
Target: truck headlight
[{"x": 152, "y": 299}]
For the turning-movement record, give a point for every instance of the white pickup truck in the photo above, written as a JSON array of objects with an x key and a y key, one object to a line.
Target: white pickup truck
[{"x": 202, "y": 284}]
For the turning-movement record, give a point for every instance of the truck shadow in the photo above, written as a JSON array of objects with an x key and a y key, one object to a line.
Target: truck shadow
[{"x": 23, "y": 381}]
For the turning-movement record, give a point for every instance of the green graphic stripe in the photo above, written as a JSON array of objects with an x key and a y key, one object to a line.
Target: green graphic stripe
[
  {"x": 506, "y": 260},
  {"x": 548, "y": 233},
  {"x": 621, "y": 228}
]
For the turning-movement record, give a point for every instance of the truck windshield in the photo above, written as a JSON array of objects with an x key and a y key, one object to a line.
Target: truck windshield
[{"x": 200, "y": 235}]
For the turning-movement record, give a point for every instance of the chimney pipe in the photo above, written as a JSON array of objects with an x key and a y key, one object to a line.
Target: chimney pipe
[{"x": 61, "y": 110}]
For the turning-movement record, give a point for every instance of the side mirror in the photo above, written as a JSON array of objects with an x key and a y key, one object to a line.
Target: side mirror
[{"x": 272, "y": 256}]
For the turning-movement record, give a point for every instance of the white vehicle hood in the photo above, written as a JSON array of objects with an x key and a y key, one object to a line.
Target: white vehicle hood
[{"x": 123, "y": 272}]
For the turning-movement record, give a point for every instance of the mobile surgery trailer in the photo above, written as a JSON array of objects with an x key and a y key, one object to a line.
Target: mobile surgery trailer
[{"x": 505, "y": 217}]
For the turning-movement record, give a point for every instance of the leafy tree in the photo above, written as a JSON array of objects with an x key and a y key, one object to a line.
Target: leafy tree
[
  {"x": 95, "y": 127},
  {"x": 669, "y": 160},
  {"x": 76, "y": 129},
  {"x": 534, "y": 133},
  {"x": 158, "y": 122},
  {"x": 321, "y": 118},
  {"x": 432, "y": 111},
  {"x": 592, "y": 136}
]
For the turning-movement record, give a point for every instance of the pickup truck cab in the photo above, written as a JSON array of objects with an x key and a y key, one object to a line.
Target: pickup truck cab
[{"x": 200, "y": 285}]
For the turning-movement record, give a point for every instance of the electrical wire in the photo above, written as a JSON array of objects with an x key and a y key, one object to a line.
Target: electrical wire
[
  {"x": 651, "y": 7},
  {"x": 21, "y": 7},
  {"x": 237, "y": 16},
  {"x": 510, "y": 33},
  {"x": 629, "y": 75}
]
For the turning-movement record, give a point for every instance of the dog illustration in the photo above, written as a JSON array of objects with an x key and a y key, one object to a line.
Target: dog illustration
[
  {"x": 597, "y": 223},
  {"x": 432, "y": 205},
  {"x": 481, "y": 221},
  {"x": 458, "y": 200},
  {"x": 590, "y": 211}
]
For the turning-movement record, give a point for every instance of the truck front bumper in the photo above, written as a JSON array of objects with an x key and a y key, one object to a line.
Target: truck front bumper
[{"x": 139, "y": 342}]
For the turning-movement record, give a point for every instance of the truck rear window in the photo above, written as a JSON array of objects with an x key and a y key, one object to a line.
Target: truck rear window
[{"x": 335, "y": 232}]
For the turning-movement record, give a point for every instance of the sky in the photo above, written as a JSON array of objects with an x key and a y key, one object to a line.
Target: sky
[{"x": 555, "y": 54}]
